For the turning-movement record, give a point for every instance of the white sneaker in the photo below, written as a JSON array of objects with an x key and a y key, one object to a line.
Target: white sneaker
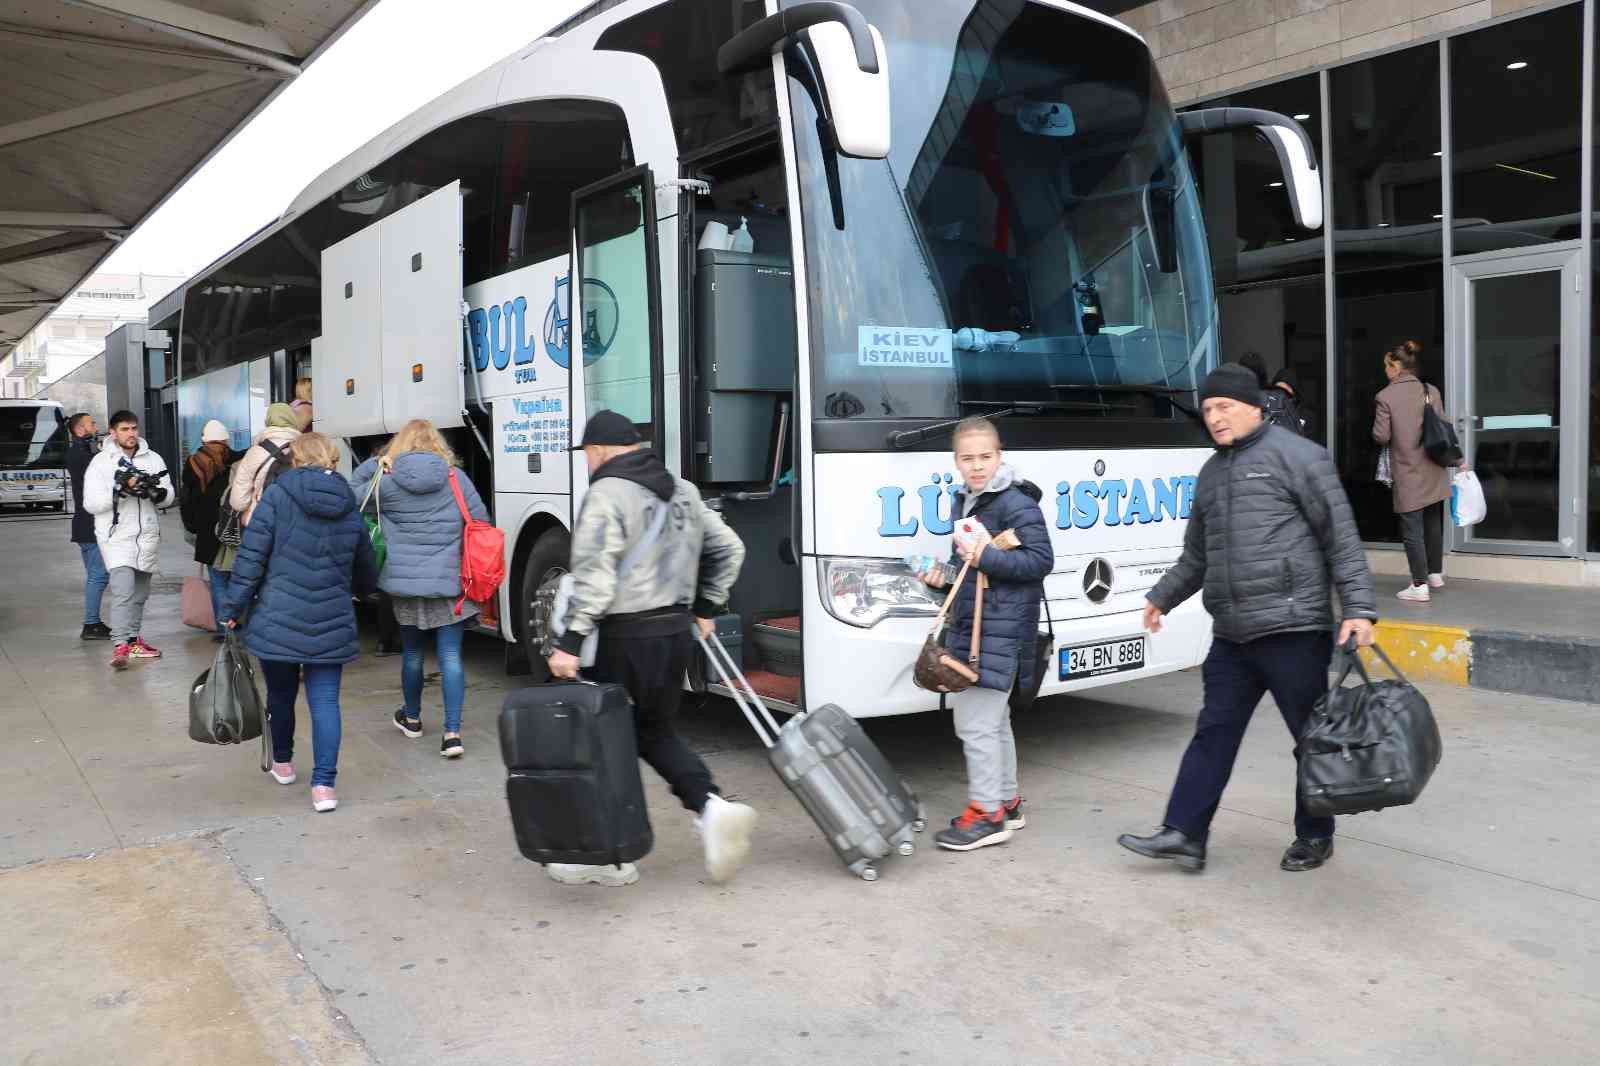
[
  {"x": 283, "y": 773},
  {"x": 568, "y": 873},
  {"x": 1414, "y": 594},
  {"x": 725, "y": 829},
  {"x": 1436, "y": 581}
]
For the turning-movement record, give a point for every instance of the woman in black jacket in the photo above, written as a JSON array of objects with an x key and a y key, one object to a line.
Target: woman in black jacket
[
  {"x": 205, "y": 479},
  {"x": 1011, "y": 550}
]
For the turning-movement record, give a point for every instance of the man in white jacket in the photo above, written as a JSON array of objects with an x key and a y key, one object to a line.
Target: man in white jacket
[{"x": 123, "y": 487}]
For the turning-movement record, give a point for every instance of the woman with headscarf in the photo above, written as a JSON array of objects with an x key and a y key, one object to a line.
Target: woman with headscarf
[
  {"x": 205, "y": 479},
  {"x": 271, "y": 449}
]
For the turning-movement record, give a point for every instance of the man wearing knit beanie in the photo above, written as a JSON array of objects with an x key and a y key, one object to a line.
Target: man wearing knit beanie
[{"x": 1269, "y": 525}]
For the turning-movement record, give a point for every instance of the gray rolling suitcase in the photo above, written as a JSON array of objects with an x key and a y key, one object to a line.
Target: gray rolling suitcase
[{"x": 864, "y": 808}]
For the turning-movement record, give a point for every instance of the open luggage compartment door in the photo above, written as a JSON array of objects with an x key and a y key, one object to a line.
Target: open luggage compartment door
[
  {"x": 392, "y": 345},
  {"x": 420, "y": 266}
]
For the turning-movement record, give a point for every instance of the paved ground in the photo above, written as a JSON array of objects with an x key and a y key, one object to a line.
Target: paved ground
[{"x": 165, "y": 902}]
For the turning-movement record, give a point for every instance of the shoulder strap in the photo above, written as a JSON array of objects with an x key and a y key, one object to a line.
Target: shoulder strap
[
  {"x": 651, "y": 534},
  {"x": 973, "y": 656},
  {"x": 372, "y": 494},
  {"x": 955, "y": 587},
  {"x": 461, "y": 501}
]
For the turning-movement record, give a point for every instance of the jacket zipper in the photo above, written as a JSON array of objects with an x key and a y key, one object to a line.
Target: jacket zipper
[{"x": 1227, "y": 550}]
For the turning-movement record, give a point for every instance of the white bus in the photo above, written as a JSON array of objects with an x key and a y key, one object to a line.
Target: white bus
[
  {"x": 33, "y": 454},
  {"x": 794, "y": 243}
]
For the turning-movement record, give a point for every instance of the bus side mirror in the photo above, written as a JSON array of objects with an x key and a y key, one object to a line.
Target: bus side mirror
[
  {"x": 851, "y": 64},
  {"x": 1301, "y": 177},
  {"x": 858, "y": 100}
]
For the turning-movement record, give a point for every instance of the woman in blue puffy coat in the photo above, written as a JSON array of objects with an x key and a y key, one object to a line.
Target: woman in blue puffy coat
[
  {"x": 422, "y": 529},
  {"x": 304, "y": 553},
  {"x": 1014, "y": 554}
]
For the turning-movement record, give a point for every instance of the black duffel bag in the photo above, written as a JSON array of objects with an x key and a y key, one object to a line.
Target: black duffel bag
[{"x": 1367, "y": 747}]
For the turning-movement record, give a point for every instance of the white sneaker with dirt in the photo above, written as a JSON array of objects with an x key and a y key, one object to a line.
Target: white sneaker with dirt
[
  {"x": 725, "y": 830},
  {"x": 569, "y": 873},
  {"x": 1414, "y": 594},
  {"x": 323, "y": 798},
  {"x": 1436, "y": 581},
  {"x": 283, "y": 773}
]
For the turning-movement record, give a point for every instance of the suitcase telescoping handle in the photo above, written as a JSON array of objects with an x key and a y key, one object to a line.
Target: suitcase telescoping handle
[{"x": 754, "y": 708}]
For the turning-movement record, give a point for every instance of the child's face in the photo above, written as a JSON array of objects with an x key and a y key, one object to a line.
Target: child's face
[{"x": 977, "y": 457}]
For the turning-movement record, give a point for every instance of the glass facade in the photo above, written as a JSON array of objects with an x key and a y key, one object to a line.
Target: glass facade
[{"x": 1442, "y": 157}]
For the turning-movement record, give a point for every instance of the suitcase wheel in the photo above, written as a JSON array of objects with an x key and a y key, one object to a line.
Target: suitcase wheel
[
  {"x": 918, "y": 826},
  {"x": 869, "y": 874},
  {"x": 908, "y": 848}
]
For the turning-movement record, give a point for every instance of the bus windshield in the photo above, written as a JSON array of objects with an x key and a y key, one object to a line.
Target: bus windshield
[
  {"x": 1011, "y": 248},
  {"x": 32, "y": 438}
]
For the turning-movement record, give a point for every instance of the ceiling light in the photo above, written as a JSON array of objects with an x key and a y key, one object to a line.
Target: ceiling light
[
  {"x": 1438, "y": 216},
  {"x": 1517, "y": 65},
  {"x": 1436, "y": 155},
  {"x": 1301, "y": 118},
  {"x": 1383, "y": 225},
  {"x": 1274, "y": 184},
  {"x": 1290, "y": 240}
]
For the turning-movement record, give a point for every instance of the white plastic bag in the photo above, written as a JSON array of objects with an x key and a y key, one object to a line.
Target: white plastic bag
[{"x": 1467, "y": 505}]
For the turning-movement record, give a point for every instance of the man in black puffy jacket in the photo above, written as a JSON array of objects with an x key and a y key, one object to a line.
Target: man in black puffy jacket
[{"x": 1270, "y": 527}]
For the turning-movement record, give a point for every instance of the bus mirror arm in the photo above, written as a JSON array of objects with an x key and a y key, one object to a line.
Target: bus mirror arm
[
  {"x": 751, "y": 48},
  {"x": 1289, "y": 140}
]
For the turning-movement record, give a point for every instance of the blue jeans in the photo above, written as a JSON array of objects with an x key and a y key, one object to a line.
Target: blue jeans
[
  {"x": 1294, "y": 668},
  {"x": 452, "y": 675},
  {"x": 95, "y": 580},
  {"x": 219, "y": 593},
  {"x": 322, "y": 696}
]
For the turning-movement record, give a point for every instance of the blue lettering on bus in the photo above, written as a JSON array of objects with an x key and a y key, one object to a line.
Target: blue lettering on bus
[{"x": 1079, "y": 505}]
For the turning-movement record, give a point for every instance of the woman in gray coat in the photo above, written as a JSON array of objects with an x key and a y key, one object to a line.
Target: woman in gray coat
[
  {"x": 422, "y": 530},
  {"x": 1420, "y": 485}
]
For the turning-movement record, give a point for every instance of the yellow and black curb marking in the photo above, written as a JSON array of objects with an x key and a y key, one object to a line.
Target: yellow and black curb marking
[{"x": 1530, "y": 664}]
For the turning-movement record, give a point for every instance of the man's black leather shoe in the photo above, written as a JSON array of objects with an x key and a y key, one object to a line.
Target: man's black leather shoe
[
  {"x": 1168, "y": 844},
  {"x": 1307, "y": 854}
]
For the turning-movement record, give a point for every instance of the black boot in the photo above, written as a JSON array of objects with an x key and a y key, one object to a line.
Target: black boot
[
  {"x": 1168, "y": 844},
  {"x": 1307, "y": 853}
]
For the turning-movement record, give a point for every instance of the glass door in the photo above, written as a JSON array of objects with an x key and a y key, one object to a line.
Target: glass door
[{"x": 1517, "y": 338}]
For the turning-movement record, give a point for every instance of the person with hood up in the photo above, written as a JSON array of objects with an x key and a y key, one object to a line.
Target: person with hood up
[
  {"x": 683, "y": 562},
  {"x": 300, "y": 560},
  {"x": 205, "y": 479},
  {"x": 1281, "y": 403},
  {"x": 123, "y": 488},
  {"x": 423, "y": 528},
  {"x": 1012, "y": 554},
  {"x": 271, "y": 448}
]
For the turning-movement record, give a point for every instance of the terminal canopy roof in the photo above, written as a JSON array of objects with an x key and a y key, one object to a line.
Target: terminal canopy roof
[{"x": 108, "y": 105}]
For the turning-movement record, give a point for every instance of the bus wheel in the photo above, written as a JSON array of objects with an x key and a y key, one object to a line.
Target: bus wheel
[{"x": 546, "y": 565}]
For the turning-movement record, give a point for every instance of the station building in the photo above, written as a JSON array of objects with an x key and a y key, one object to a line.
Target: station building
[{"x": 1457, "y": 143}]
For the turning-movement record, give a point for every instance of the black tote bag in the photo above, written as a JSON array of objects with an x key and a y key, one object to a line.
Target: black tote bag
[{"x": 1438, "y": 436}]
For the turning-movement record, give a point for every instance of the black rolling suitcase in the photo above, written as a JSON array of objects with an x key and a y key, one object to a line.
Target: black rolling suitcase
[{"x": 573, "y": 786}]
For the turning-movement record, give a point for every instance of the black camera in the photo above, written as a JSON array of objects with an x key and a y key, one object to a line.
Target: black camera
[{"x": 139, "y": 484}]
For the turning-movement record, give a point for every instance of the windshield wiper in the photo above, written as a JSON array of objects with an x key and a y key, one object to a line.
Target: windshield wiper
[
  {"x": 907, "y": 437},
  {"x": 1155, "y": 391}
]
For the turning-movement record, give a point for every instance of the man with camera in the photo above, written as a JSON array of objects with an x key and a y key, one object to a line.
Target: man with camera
[{"x": 122, "y": 489}]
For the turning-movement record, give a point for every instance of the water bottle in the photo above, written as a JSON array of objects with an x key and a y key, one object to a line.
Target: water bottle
[{"x": 741, "y": 239}]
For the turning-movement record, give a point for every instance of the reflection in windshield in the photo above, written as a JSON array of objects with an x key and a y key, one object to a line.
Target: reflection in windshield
[
  {"x": 1003, "y": 252},
  {"x": 32, "y": 437}
]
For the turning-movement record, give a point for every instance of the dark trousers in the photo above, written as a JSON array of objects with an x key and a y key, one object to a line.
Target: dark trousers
[
  {"x": 1291, "y": 666},
  {"x": 1423, "y": 533},
  {"x": 388, "y": 625},
  {"x": 652, "y": 669}
]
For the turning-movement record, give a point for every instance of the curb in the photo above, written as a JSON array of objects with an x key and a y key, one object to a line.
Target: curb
[{"x": 1529, "y": 664}]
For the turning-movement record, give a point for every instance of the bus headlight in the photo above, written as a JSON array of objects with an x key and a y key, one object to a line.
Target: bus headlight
[{"x": 863, "y": 592}]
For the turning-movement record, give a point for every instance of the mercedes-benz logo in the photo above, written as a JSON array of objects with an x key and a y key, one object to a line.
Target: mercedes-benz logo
[
  {"x": 1097, "y": 580},
  {"x": 1099, "y": 468}
]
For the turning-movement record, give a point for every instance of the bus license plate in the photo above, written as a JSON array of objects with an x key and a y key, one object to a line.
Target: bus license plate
[{"x": 1107, "y": 657}]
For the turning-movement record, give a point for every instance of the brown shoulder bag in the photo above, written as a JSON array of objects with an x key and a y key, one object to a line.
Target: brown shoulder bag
[{"x": 939, "y": 671}]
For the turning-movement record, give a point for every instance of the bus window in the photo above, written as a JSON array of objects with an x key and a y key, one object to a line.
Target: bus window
[{"x": 548, "y": 149}]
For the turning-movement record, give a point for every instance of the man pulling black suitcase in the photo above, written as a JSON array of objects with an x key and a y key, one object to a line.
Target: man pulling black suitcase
[{"x": 649, "y": 559}]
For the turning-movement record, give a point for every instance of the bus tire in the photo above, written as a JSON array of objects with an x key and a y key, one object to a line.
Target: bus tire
[{"x": 546, "y": 563}]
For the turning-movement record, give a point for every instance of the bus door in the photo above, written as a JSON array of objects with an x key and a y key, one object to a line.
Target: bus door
[{"x": 615, "y": 322}]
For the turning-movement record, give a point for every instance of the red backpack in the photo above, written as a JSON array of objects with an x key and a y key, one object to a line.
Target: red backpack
[{"x": 483, "y": 554}]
